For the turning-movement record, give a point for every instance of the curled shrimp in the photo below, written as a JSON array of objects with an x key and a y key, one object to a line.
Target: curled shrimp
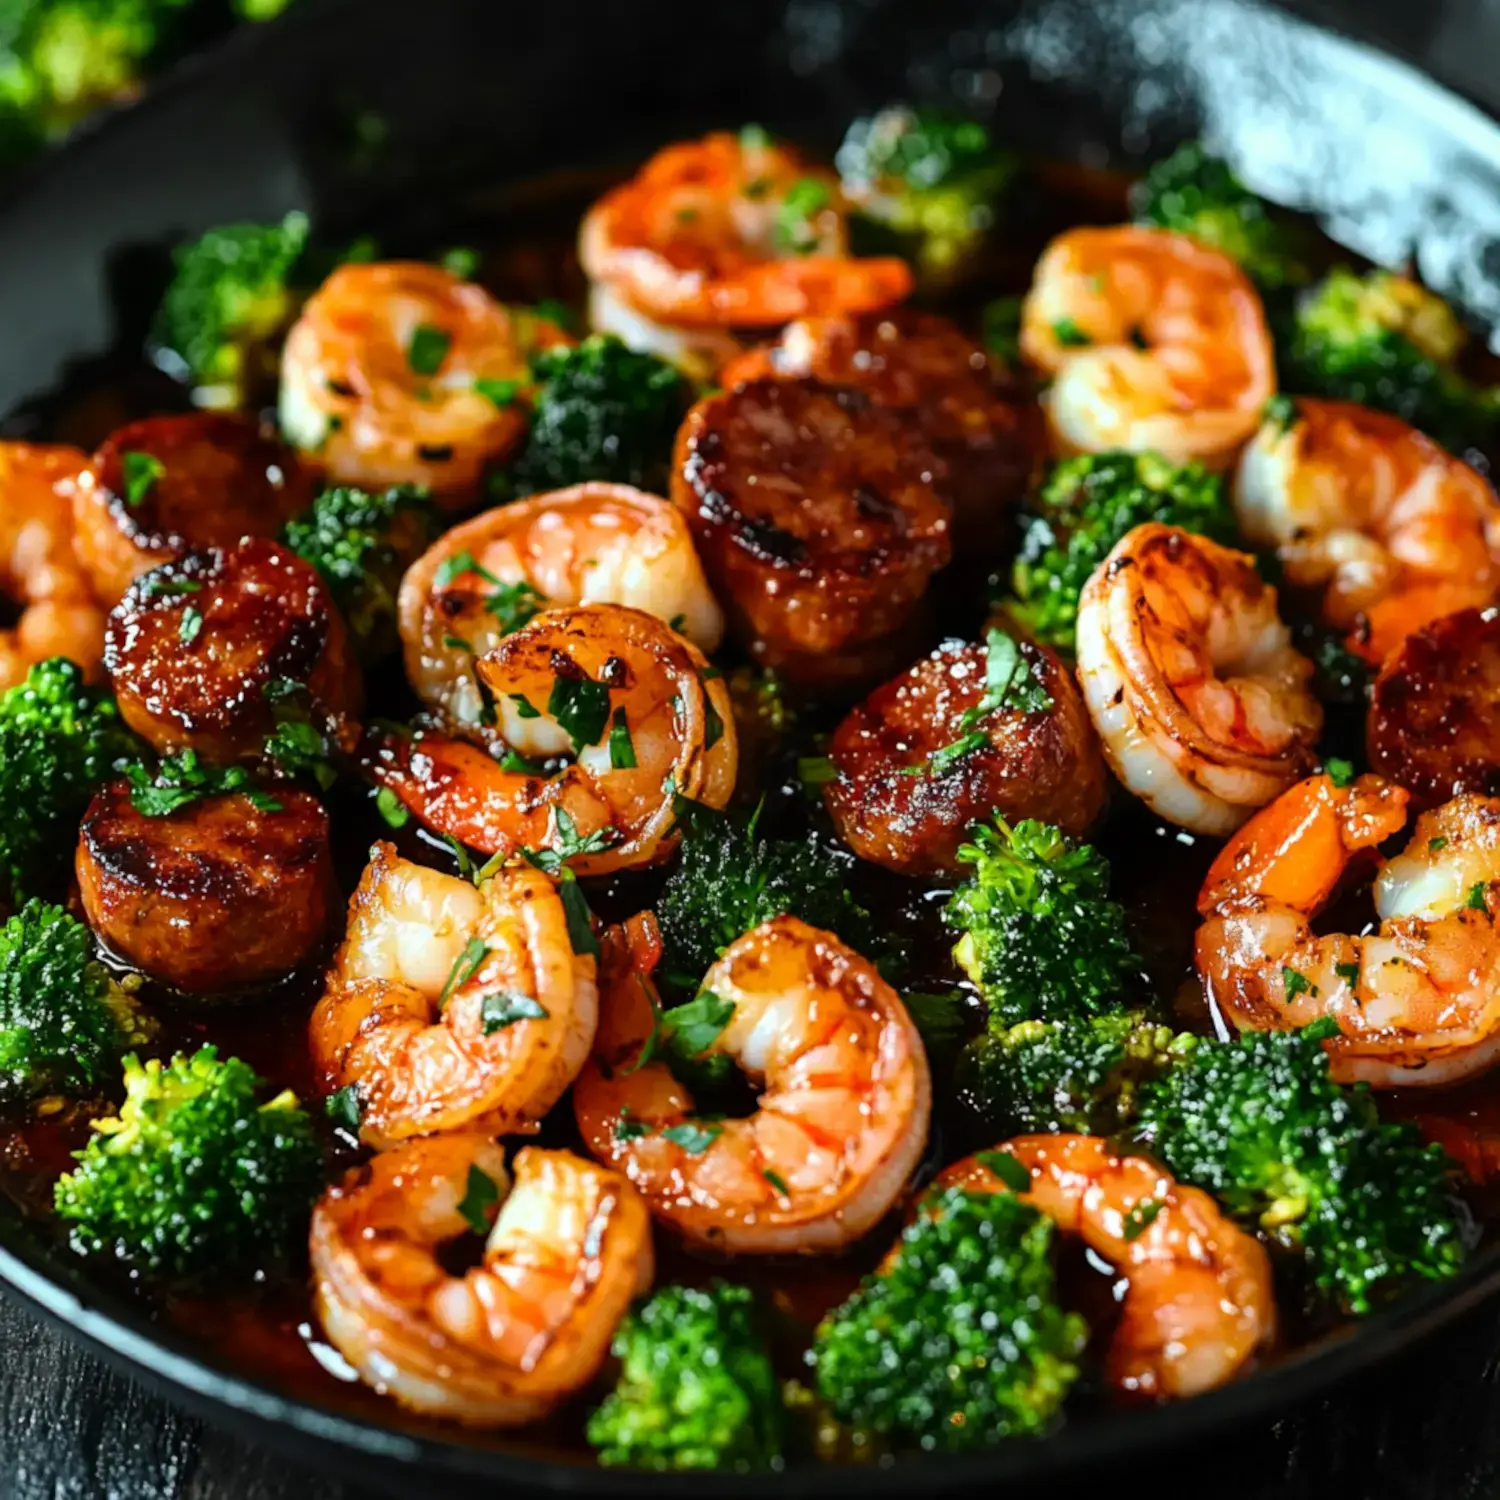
[
  {"x": 503, "y": 1342},
  {"x": 593, "y": 543},
  {"x": 450, "y": 1006},
  {"x": 40, "y": 572},
  {"x": 845, "y": 1095},
  {"x": 1418, "y": 1000},
  {"x": 604, "y": 716},
  {"x": 1198, "y": 1301},
  {"x": 384, "y": 378},
  {"x": 1389, "y": 530},
  {"x": 1201, "y": 703},
  {"x": 1152, "y": 340},
  {"x": 732, "y": 231}
]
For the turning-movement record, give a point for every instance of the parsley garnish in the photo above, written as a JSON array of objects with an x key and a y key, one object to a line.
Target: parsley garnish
[
  {"x": 461, "y": 261},
  {"x": 795, "y": 230},
  {"x": 160, "y": 584},
  {"x": 1069, "y": 334},
  {"x": 1475, "y": 900},
  {"x": 480, "y": 1196},
  {"x": 141, "y": 471},
  {"x": 344, "y": 1108},
  {"x": 191, "y": 626},
  {"x": 777, "y": 1181},
  {"x": 465, "y": 966},
  {"x": 1340, "y": 772},
  {"x": 581, "y": 706},
  {"x": 505, "y": 1008},
  {"x": 694, "y": 1138},
  {"x": 428, "y": 349},
  {"x": 816, "y": 770},
  {"x": 1280, "y": 412},
  {"x": 621, "y": 746},
  {"x": 182, "y": 779},
  {"x": 1005, "y": 1166},
  {"x": 501, "y": 393},
  {"x": 1349, "y": 973},
  {"x": 524, "y": 709},
  {"x": 1140, "y": 1219},
  {"x": 1296, "y": 984},
  {"x": 391, "y": 808}
]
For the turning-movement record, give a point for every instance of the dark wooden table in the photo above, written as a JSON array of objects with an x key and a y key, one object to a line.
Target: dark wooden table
[{"x": 1424, "y": 1428}]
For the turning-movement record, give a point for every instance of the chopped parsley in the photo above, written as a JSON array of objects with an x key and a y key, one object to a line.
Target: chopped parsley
[
  {"x": 191, "y": 626},
  {"x": 480, "y": 1196},
  {"x": 465, "y": 966},
  {"x": 1005, "y": 1166},
  {"x": 141, "y": 471},
  {"x": 391, "y": 808},
  {"x": 621, "y": 746},
  {"x": 505, "y": 1008},
  {"x": 183, "y": 779},
  {"x": 428, "y": 349},
  {"x": 796, "y": 230},
  {"x": 1297, "y": 984},
  {"x": 344, "y": 1108},
  {"x": 1340, "y": 772},
  {"x": 581, "y": 706},
  {"x": 1140, "y": 1218},
  {"x": 1070, "y": 335}
]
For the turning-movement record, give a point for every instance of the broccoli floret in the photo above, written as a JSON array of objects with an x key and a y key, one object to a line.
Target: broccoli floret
[
  {"x": 1383, "y": 341},
  {"x": 960, "y": 1342},
  {"x": 696, "y": 1387},
  {"x": 63, "y": 1018},
  {"x": 1084, "y": 507},
  {"x": 1041, "y": 938},
  {"x": 931, "y": 178},
  {"x": 229, "y": 297},
  {"x": 59, "y": 740},
  {"x": 1081, "y": 1075},
  {"x": 1261, "y": 1124},
  {"x": 193, "y": 1173},
  {"x": 732, "y": 878},
  {"x": 600, "y": 411},
  {"x": 362, "y": 543},
  {"x": 1195, "y": 193}
]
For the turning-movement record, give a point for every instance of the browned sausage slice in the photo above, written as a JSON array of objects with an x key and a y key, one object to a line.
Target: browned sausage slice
[
  {"x": 897, "y": 806},
  {"x": 216, "y": 896},
  {"x": 199, "y": 649},
  {"x": 1434, "y": 719},
  {"x": 164, "y": 486},
  {"x": 815, "y": 515}
]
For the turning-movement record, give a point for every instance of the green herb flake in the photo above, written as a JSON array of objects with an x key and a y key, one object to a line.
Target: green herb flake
[
  {"x": 621, "y": 746},
  {"x": 689, "y": 1030},
  {"x": 344, "y": 1108},
  {"x": 1296, "y": 984},
  {"x": 522, "y": 765},
  {"x": 1349, "y": 973},
  {"x": 628, "y": 1128},
  {"x": 524, "y": 708},
  {"x": 191, "y": 626},
  {"x": 461, "y": 261},
  {"x": 1475, "y": 900},
  {"x": 480, "y": 1196},
  {"x": 428, "y": 349},
  {"x": 1279, "y": 414},
  {"x": 581, "y": 706},
  {"x": 1340, "y": 772},
  {"x": 391, "y": 808},
  {"x": 1140, "y": 1219},
  {"x": 1070, "y": 335},
  {"x": 505, "y": 1008},
  {"x": 161, "y": 585},
  {"x": 693, "y": 1137},
  {"x": 816, "y": 770},
  {"x": 465, "y": 966},
  {"x": 457, "y": 566},
  {"x": 141, "y": 471},
  {"x": 1435, "y": 846},
  {"x": 796, "y": 231},
  {"x": 499, "y": 393},
  {"x": 1003, "y": 1165}
]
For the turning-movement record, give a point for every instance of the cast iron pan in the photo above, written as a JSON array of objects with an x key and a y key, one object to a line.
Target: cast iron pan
[{"x": 475, "y": 94}]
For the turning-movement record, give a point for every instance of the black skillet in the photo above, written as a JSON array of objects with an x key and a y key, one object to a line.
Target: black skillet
[{"x": 473, "y": 94}]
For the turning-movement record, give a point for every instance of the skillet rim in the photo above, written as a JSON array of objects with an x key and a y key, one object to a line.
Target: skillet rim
[{"x": 124, "y": 1334}]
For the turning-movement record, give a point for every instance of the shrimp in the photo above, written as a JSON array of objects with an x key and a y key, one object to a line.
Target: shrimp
[
  {"x": 449, "y": 1005},
  {"x": 1198, "y": 1301},
  {"x": 400, "y": 373},
  {"x": 504, "y": 1342},
  {"x": 844, "y": 1104},
  {"x": 604, "y": 717},
  {"x": 40, "y": 572},
  {"x": 1417, "y": 1001},
  {"x": 1389, "y": 530},
  {"x": 1202, "y": 704},
  {"x": 1152, "y": 340},
  {"x": 732, "y": 231},
  {"x": 593, "y": 543}
]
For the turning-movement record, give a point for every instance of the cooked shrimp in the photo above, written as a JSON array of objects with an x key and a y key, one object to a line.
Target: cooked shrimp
[
  {"x": 392, "y": 374},
  {"x": 503, "y": 1342},
  {"x": 165, "y": 486},
  {"x": 40, "y": 572},
  {"x": 1418, "y": 1000},
  {"x": 1198, "y": 1302},
  {"x": 934, "y": 750},
  {"x": 1202, "y": 705},
  {"x": 1388, "y": 529},
  {"x": 591, "y": 544},
  {"x": 605, "y": 716},
  {"x": 697, "y": 351},
  {"x": 844, "y": 1104},
  {"x": 1152, "y": 340},
  {"x": 732, "y": 231},
  {"x": 449, "y": 1005}
]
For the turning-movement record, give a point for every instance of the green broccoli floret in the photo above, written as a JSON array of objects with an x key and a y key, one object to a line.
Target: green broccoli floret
[
  {"x": 193, "y": 1173},
  {"x": 1041, "y": 938},
  {"x": 600, "y": 411},
  {"x": 63, "y": 1018},
  {"x": 1195, "y": 193},
  {"x": 362, "y": 543},
  {"x": 1261, "y": 1124},
  {"x": 1080, "y": 1075},
  {"x": 230, "y": 296},
  {"x": 1083, "y": 508},
  {"x": 59, "y": 740},
  {"x": 1383, "y": 341},
  {"x": 933, "y": 179},
  {"x": 732, "y": 878},
  {"x": 696, "y": 1387},
  {"x": 960, "y": 1342}
]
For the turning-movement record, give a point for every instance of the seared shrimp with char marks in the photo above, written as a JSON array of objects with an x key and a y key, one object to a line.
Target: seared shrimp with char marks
[
  {"x": 162, "y": 487},
  {"x": 1389, "y": 530},
  {"x": 400, "y": 373},
  {"x": 967, "y": 733},
  {"x": 1417, "y": 1002},
  {"x": 40, "y": 573},
  {"x": 1198, "y": 1300},
  {"x": 1153, "y": 342},
  {"x": 845, "y": 1095},
  {"x": 206, "y": 653},
  {"x": 504, "y": 1342},
  {"x": 818, "y": 518},
  {"x": 450, "y": 1005},
  {"x": 603, "y": 717},
  {"x": 1202, "y": 704},
  {"x": 592, "y": 544}
]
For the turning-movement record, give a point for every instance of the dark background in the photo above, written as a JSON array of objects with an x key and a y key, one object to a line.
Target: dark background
[{"x": 1426, "y": 1427}]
